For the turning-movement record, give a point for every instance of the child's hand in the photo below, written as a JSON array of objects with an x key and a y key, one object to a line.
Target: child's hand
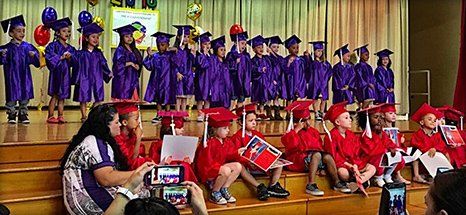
[
  {"x": 129, "y": 64},
  {"x": 264, "y": 69},
  {"x": 241, "y": 150},
  {"x": 268, "y": 50},
  {"x": 372, "y": 86},
  {"x": 149, "y": 51},
  {"x": 346, "y": 87},
  {"x": 135, "y": 66},
  {"x": 172, "y": 49},
  {"x": 290, "y": 61},
  {"x": 3, "y": 52},
  {"x": 187, "y": 159},
  {"x": 431, "y": 152},
  {"x": 179, "y": 76},
  {"x": 138, "y": 132},
  {"x": 32, "y": 53},
  {"x": 166, "y": 160},
  {"x": 238, "y": 60},
  {"x": 274, "y": 83},
  {"x": 299, "y": 126},
  {"x": 402, "y": 139}
]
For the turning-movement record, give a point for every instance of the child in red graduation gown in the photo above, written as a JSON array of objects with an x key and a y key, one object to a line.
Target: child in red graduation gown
[
  {"x": 216, "y": 158},
  {"x": 345, "y": 147},
  {"x": 241, "y": 138},
  {"x": 130, "y": 136},
  {"x": 172, "y": 124},
  {"x": 375, "y": 143},
  {"x": 304, "y": 147},
  {"x": 454, "y": 117},
  {"x": 426, "y": 139}
]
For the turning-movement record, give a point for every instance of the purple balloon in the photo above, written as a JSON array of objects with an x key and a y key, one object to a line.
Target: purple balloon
[
  {"x": 84, "y": 18},
  {"x": 49, "y": 14}
]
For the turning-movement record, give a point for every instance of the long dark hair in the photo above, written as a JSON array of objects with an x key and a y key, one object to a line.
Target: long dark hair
[
  {"x": 133, "y": 48},
  {"x": 362, "y": 120},
  {"x": 389, "y": 65},
  {"x": 85, "y": 43},
  {"x": 97, "y": 125},
  {"x": 165, "y": 130},
  {"x": 448, "y": 192}
]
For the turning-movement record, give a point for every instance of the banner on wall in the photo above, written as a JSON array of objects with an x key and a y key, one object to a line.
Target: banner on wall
[{"x": 149, "y": 19}]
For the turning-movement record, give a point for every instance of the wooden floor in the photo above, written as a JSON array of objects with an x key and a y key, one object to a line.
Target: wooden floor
[{"x": 29, "y": 179}]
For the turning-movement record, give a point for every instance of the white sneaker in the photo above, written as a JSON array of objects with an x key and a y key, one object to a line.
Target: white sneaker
[
  {"x": 388, "y": 178},
  {"x": 379, "y": 181}
]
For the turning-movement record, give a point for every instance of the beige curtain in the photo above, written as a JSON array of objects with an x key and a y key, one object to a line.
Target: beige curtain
[{"x": 381, "y": 23}]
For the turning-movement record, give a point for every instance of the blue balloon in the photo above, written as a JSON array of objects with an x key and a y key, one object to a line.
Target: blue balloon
[
  {"x": 84, "y": 18},
  {"x": 49, "y": 14}
]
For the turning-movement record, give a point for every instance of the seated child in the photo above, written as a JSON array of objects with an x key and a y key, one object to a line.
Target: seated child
[
  {"x": 172, "y": 124},
  {"x": 454, "y": 117},
  {"x": 304, "y": 147},
  {"x": 241, "y": 138},
  {"x": 216, "y": 158},
  {"x": 425, "y": 139}
]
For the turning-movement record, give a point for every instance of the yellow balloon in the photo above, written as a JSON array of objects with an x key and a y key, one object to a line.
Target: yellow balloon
[
  {"x": 194, "y": 11},
  {"x": 41, "y": 50},
  {"x": 99, "y": 21}
]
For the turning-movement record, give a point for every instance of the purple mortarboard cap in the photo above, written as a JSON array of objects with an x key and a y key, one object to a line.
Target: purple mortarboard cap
[
  {"x": 291, "y": 41},
  {"x": 218, "y": 42},
  {"x": 243, "y": 36},
  {"x": 384, "y": 53},
  {"x": 60, "y": 23},
  {"x": 204, "y": 37},
  {"x": 318, "y": 44},
  {"x": 361, "y": 50},
  {"x": 12, "y": 22},
  {"x": 273, "y": 40},
  {"x": 256, "y": 41},
  {"x": 162, "y": 37},
  {"x": 92, "y": 28},
  {"x": 183, "y": 29},
  {"x": 126, "y": 29},
  {"x": 341, "y": 51}
]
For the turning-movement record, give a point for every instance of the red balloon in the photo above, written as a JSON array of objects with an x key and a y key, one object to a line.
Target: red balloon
[
  {"x": 236, "y": 29},
  {"x": 41, "y": 35}
]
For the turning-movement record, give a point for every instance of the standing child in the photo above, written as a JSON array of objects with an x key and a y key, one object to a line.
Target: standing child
[
  {"x": 203, "y": 76},
  {"x": 261, "y": 68},
  {"x": 239, "y": 64},
  {"x": 59, "y": 57},
  {"x": 304, "y": 147},
  {"x": 320, "y": 74},
  {"x": 365, "y": 80},
  {"x": 385, "y": 80},
  {"x": 127, "y": 62},
  {"x": 216, "y": 163},
  {"x": 343, "y": 77},
  {"x": 426, "y": 139},
  {"x": 161, "y": 87},
  {"x": 16, "y": 56},
  {"x": 277, "y": 77},
  {"x": 92, "y": 69},
  {"x": 294, "y": 69},
  {"x": 455, "y": 117},
  {"x": 221, "y": 86},
  {"x": 184, "y": 61},
  {"x": 345, "y": 147},
  {"x": 241, "y": 138},
  {"x": 172, "y": 124}
]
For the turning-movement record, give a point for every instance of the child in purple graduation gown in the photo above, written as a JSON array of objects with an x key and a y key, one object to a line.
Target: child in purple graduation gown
[
  {"x": 261, "y": 69},
  {"x": 343, "y": 77},
  {"x": 91, "y": 70},
  {"x": 239, "y": 64},
  {"x": 59, "y": 57},
  {"x": 203, "y": 74},
  {"x": 294, "y": 69},
  {"x": 126, "y": 68},
  {"x": 320, "y": 74},
  {"x": 277, "y": 77},
  {"x": 161, "y": 86},
  {"x": 184, "y": 61},
  {"x": 385, "y": 78},
  {"x": 365, "y": 80},
  {"x": 16, "y": 56},
  {"x": 221, "y": 86}
]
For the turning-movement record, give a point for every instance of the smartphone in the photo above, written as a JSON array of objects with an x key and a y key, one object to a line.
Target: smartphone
[
  {"x": 163, "y": 175},
  {"x": 441, "y": 170},
  {"x": 393, "y": 199},
  {"x": 177, "y": 195}
]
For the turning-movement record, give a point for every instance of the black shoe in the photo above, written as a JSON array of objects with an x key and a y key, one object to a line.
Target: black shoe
[
  {"x": 268, "y": 112},
  {"x": 277, "y": 113},
  {"x": 278, "y": 191},
  {"x": 262, "y": 192},
  {"x": 156, "y": 119},
  {"x": 288, "y": 116},
  {"x": 12, "y": 118},
  {"x": 23, "y": 118}
]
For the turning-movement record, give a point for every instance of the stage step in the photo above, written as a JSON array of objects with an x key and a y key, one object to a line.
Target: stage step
[{"x": 44, "y": 202}]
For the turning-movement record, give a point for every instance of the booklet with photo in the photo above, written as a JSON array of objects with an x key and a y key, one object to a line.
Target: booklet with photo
[
  {"x": 280, "y": 162},
  {"x": 411, "y": 154},
  {"x": 393, "y": 134},
  {"x": 261, "y": 153},
  {"x": 387, "y": 159},
  {"x": 451, "y": 135},
  {"x": 433, "y": 163},
  {"x": 179, "y": 147}
]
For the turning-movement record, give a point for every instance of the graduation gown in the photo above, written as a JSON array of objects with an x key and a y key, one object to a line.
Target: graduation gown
[
  {"x": 295, "y": 76},
  {"x": 91, "y": 72},
  {"x": 372, "y": 150},
  {"x": 16, "y": 70},
  {"x": 278, "y": 76},
  {"x": 202, "y": 77},
  {"x": 344, "y": 149},
  {"x": 261, "y": 91},
  {"x": 125, "y": 78},
  {"x": 364, "y": 77},
  {"x": 161, "y": 87},
  {"x": 211, "y": 158},
  {"x": 424, "y": 142},
  {"x": 458, "y": 154},
  {"x": 239, "y": 142},
  {"x": 385, "y": 80},
  {"x": 127, "y": 144},
  {"x": 155, "y": 152},
  {"x": 184, "y": 62},
  {"x": 320, "y": 74},
  {"x": 240, "y": 73},
  {"x": 221, "y": 86},
  {"x": 60, "y": 69},
  {"x": 343, "y": 75},
  {"x": 298, "y": 145}
]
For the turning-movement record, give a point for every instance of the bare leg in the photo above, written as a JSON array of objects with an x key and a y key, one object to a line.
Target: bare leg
[
  {"x": 52, "y": 104},
  {"x": 315, "y": 106},
  {"x": 246, "y": 175},
  {"x": 322, "y": 105},
  {"x": 61, "y": 107},
  {"x": 276, "y": 173},
  {"x": 315, "y": 159},
  {"x": 184, "y": 104},
  {"x": 366, "y": 175},
  {"x": 222, "y": 178},
  {"x": 343, "y": 173},
  {"x": 83, "y": 108},
  {"x": 236, "y": 169},
  {"x": 178, "y": 104},
  {"x": 331, "y": 167}
]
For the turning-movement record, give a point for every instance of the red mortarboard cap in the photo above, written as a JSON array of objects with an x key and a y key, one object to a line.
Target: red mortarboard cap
[
  {"x": 177, "y": 116},
  {"x": 424, "y": 110},
  {"x": 125, "y": 107},
  {"x": 249, "y": 108},
  {"x": 451, "y": 113},
  {"x": 219, "y": 117},
  {"x": 387, "y": 107},
  {"x": 335, "y": 111},
  {"x": 300, "y": 109},
  {"x": 372, "y": 109}
]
